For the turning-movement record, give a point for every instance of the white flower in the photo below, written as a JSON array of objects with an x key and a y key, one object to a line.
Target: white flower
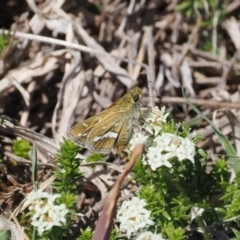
[
  {"x": 156, "y": 159},
  {"x": 40, "y": 208},
  {"x": 195, "y": 212},
  {"x": 154, "y": 119},
  {"x": 58, "y": 214},
  {"x": 186, "y": 150},
  {"x": 46, "y": 213},
  {"x": 133, "y": 216},
  {"x": 137, "y": 138},
  {"x": 167, "y": 146},
  {"x": 34, "y": 195},
  {"x": 40, "y": 225},
  {"x": 55, "y": 216},
  {"x": 149, "y": 236},
  {"x": 52, "y": 197}
]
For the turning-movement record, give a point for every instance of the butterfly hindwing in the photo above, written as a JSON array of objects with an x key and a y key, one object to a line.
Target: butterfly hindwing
[
  {"x": 103, "y": 137},
  {"x": 80, "y": 131}
]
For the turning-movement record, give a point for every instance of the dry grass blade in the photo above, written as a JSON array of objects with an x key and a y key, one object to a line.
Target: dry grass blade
[
  {"x": 5, "y": 224},
  {"x": 232, "y": 28},
  {"x": 68, "y": 96},
  {"x": 41, "y": 141},
  {"x": 40, "y": 66},
  {"x": 202, "y": 102},
  {"x": 187, "y": 77},
  {"x": 140, "y": 57},
  {"x": 104, "y": 58}
]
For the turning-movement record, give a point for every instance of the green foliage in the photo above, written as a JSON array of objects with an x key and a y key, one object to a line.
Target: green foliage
[
  {"x": 34, "y": 167},
  {"x": 169, "y": 127},
  {"x": 173, "y": 233},
  {"x": 69, "y": 199},
  {"x": 4, "y": 235},
  {"x": 172, "y": 192},
  {"x": 86, "y": 234},
  {"x": 207, "y": 9},
  {"x": 21, "y": 148},
  {"x": 237, "y": 234},
  {"x": 67, "y": 172},
  {"x": 232, "y": 199},
  {"x": 100, "y": 6},
  {"x": 212, "y": 14},
  {"x": 114, "y": 235},
  {"x": 95, "y": 157},
  {"x": 206, "y": 44},
  {"x": 4, "y": 41},
  {"x": 226, "y": 144}
]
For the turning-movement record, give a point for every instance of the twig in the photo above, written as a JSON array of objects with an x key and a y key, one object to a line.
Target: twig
[
  {"x": 201, "y": 102},
  {"x": 23, "y": 160}
]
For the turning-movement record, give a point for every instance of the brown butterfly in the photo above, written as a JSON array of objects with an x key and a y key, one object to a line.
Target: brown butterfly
[{"x": 110, "y": 128}]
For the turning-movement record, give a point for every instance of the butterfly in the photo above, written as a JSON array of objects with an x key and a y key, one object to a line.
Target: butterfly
[{"x": 110, "y": 128}]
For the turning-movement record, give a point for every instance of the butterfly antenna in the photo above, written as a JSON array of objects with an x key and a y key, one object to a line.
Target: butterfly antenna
[{"x": 158, "y": 95}]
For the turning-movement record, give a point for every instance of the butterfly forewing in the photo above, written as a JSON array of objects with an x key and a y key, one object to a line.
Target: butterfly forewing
[
  {"x": 112, "y": 127},
  {"x": 104, "y": 137}
]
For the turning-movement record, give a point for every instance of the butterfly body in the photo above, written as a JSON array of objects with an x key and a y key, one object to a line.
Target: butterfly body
[{"x": 110, "y": 128}]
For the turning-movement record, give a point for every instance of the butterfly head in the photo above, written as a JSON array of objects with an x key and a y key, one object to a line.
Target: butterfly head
[{"x": 136, "y": 94}]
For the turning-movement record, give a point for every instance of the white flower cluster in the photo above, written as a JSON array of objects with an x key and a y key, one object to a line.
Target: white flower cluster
[
  {"x": 46, "y": 213},
  {"x": 167, "y": 146},
  {"x": 133, "y": 216},
  {"x": 162, "y": 147},
  {"x": 149, "y": 236},
  {"x": 154, "y": 119}
]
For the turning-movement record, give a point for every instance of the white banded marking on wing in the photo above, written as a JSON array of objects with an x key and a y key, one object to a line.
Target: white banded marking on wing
[
  {"x": 85, "y": 124},
  {"x": 107, "y": 135},
  {"x": 82, "y": 135}
]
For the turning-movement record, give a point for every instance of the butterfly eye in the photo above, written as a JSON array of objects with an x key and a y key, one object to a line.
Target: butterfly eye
[{"x": 135, "y": 98}]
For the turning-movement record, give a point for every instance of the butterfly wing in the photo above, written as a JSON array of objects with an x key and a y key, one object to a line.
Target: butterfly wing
[
  {"x": 103, "y": 137},
  {"x": 80, "y": 131},
  {"x": 112, "y": 127}
]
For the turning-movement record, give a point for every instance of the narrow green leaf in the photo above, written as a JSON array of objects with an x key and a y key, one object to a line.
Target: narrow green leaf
[
  {"x": 227, "y": 146},
  {"x": 34, "y": 167}
]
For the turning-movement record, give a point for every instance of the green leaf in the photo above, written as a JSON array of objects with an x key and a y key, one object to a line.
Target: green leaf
[
  {"x": 237, "y": 234},
  {"x": 96, "y": 157},
  {"x": 86, "y": 234},
  {"x": 21, "y": 148},
  {"x": 34, "y": 167},
  {"x": 227, "y": 146}
]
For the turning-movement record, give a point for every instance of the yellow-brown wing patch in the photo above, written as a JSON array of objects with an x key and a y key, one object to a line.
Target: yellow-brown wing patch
[
  {"x": 80, "y": 131},
  {"x": 103, "y": 137}
]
